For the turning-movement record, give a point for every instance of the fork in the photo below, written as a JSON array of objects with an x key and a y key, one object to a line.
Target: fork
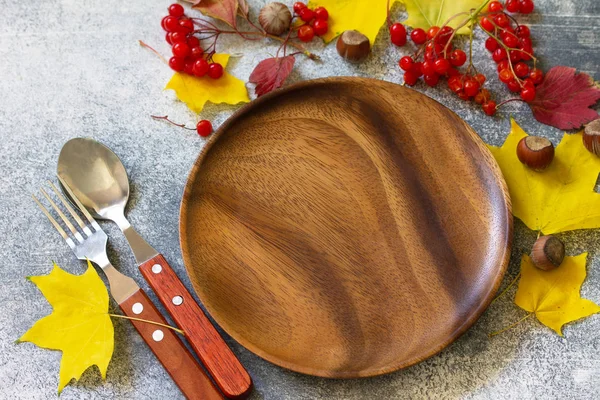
[{"x": 164, "y": 343}]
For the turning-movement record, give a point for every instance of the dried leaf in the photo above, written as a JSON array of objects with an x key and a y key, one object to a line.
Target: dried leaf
[
  {"x": 427, "y": 13},
  {"x": 271, "y": 73},
  {"x": 225, "y": 10},
  {"x": 79, "y": 325},
  {"x": 564, "y": 97},
  {"x": 243, "y": 7},
  {"x": 193, "y": 2},
  {"x": 562, "y": 197},
  {"x": 195, "y": 92},
  {"x": 554, "y": 296}
]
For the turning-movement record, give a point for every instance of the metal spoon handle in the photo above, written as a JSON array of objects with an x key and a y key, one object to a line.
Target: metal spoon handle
[{"x": 227, "y": 371}]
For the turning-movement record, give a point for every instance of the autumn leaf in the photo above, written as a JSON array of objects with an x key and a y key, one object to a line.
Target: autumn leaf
[
  {"x": 562, "y": 197},
  {"x": 554, "y": 296},
  {"x": 271, "y": 73},
  {"x": 427, "y": 13},
  {"x": 225, "y": 10},
  {"x": 79, "y": 324},
  {"x": 563, "y": 99},
  {"x": 195, "y": 92}
]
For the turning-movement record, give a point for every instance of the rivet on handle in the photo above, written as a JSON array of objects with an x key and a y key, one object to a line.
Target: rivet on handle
[
  {"x": 158, "y": 335},
  {"x": 157, "y": 268},
  {"x": 177, "y": 300},
  {"x": 137, "y": 308}
]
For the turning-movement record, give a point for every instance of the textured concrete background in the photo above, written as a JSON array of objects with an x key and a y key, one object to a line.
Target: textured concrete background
[{"x": 73, "y": 68}]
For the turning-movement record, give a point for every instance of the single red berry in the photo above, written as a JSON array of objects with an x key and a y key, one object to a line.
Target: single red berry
[
  {"x": 434, "y": 48},
  {"x": 455, "y": 83},
  {"x": 526, "y": 53},
  {"x": 306, "y": 14},
  {"x": 431, "y": 79},
  {"x": 521, "y": 69},
  {"x": 178, "y": 37},
  {"x": 513, "y": 86},
  {"x": 170, "y": 23},
  {"x": 196, "y": 52},
  {"x": 444, "y": 34},
  {"x": 299, "y": 6},
  {"x": 176, "y": 10},
  {"x": 514, "y": 56},
  {"x": 501, "y": 20},
  {"x": 204, "y": 127},
  {"x": 458, "y": 57},
  {"x": 189, "y": 66},
  {"x": 528, "y": 82},
  {"x": 489, "y": 107},
  {"x": 523, "y": 31},
  {"x": 321, "y": 13},
  {"x": 406, "y": 63},
  {"x": 418, "y": 69},
  {"x": 452, "y": 72},
  {"x": 486, "y": 24},
  {"x": 491, "y": 44},
  {"x": 177, "y": 64},
  {"x": 411, "y": 77},
  {"x": 495, "y": 6},
  {"x": 471, "y": 87},
  {"x": 525, "y": 42},
  {"x": 526, "y": 6},
  {"x": 504, "y": 64},
  {"x": 510, "y": 40},
  {"x": 480, "y": 78},
  {"x": 200, "y": 67},
  {"x": 482, "y": 97},
  {"x": 215, "y": 70},
  {"x": 441, "y": 66},
  {"x": 418, "y": 36},
  {"x": 512, "y": 6},
  {"x": 429, "y": 56},
  {"x": 306, "y": 33},
  {"x": 320, "y": 27},
  {"x": 528, "y": 94},
  {"x": 193, "y": 41},
  {"x": 432, "y": 32},
  {"x": 506, "y": 75},
  {"x": 428, "y": 68},
  {"x": 537, "y": 76},
  {"x": 398, "y": 34},
  {"x": 181, "y": 50},
  {"x": 186, "y": 25},
  {"x": 463, "y": 96},
  {"x": 499, "y": 54},
  {"x": 168, "y": 38}
]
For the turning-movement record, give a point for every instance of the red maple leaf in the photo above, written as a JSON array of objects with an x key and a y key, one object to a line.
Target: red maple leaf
[
  {"x": 564, "y": 98},
  {"x": 271, "y": 73}
]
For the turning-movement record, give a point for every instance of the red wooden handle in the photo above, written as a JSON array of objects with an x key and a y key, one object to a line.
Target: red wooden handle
[
  {"x": 169, "y": 349},
  {"x": 226, "y": 370}
]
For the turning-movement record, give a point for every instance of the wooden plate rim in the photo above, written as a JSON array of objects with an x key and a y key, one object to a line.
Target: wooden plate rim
[{"x": 328, "y": 373}]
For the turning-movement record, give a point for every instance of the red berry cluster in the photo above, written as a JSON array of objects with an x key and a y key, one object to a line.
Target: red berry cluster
[
  {"x": 511, "y": 47},
  {"x": 315, "y": 21},
  {"x": 188, "y": 55}
]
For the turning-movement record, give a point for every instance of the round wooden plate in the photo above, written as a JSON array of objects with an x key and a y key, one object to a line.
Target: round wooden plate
[{"x": 345, "y": 227}]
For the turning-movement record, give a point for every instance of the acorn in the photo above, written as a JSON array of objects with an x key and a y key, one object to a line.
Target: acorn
[
  {"x": 275, "y": 18},
  {"x": 536, "y": 152},
  {"x": 353, "y": 46},
  {"x": 548, "y": 253},
  {"x": 591, "y": 137}
]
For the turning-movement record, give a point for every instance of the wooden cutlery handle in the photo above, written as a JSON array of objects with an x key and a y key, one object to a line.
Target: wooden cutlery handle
[
  {"x": 169, "y": 349},
  {"x": 227, "y": 371}
]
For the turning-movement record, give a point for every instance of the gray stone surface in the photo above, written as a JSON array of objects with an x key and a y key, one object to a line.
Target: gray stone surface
[{"x": 73, "y": 68}]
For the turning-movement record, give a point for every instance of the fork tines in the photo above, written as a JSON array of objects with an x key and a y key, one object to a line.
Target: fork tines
[{"x": 84, "y": 228}]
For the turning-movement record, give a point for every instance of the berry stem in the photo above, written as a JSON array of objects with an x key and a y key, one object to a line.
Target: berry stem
[
  {"x": 510, "y": 326},
  {"x": 154, "y": 51},
  {"x": 508, "y": 101},
  {"x": 506, "y": 288},
  {"x": 166, "y": 118}
]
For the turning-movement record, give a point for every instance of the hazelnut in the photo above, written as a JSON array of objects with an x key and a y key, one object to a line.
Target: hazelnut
[
  {"x": 548, "y": 253},
  {"x": 275, "y": 18},
  {"x": 535, "y": 152},
  {"x": 591, "y": 137},
  {"x": 353, "y": 46}
]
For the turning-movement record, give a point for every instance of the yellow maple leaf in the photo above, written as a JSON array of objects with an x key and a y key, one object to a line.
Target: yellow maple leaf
[
  {"x": 427, "y": 13},
  {"x": 195, "y": 92},
  {"x": 554, "y": 296},
  {"x": 562, "y": 197},
  {"x": 79, "y": 325}
]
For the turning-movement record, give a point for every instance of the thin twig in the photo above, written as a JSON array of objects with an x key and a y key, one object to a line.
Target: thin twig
[
  {"x": 166, "y": 118},
  {"x": 510, "y": 326},
  {"x": 506, "y": 288},
  {"x": 154, "y": 51},
  {"x": 148, "y": 322}
]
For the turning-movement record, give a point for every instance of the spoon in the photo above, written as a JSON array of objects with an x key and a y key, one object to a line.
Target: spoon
[{"x": 98, "y": 179}]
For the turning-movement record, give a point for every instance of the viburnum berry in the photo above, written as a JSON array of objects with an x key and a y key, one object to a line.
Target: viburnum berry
[
  {"x": 525, "y": 53},
  {"x": 204, "y": 127},
  {"x": 418, "y": 36},
  {"x": 526, "y": 6},
  {"x": 452, "y": 72},
  {"x": 177, "y": 64},
  {"x": 431, "y": 79},
  {"x": 170, "y": 23},
  {"x": 512, "y": 6},
  {"x": 480, "y": 78},
  {"x": 398, "y": 34},
  {"x": 528, "y": 82},
  {"x": 428, "y": 68},
  {"x": 528, "y": 94},
  {"x": 434, "y": 48},
  {"x": 521, "y": 69},
  {"x": 306, "y": 14},
  {"x": 441, "y": 66},
  {"x": 186, "y": 25},
  {"x": 168, "y": 38},
  {"x": 463, "y": 96},
  {"x": 499, "y": 55},
  {"x": 489, "y": 108},
  {"x": 432, "y": 32},
  {"x": 525, "y": 42},
  {"x": 320, "y": 27},
  {"x": 514, "y": 56},
  {"x": 510, "y": 40},
  {"x": 444, "y": 34},
  {"x": 176, "y": 10},
  {"x": 299, "y": 6},
  {"x": 188, "y": 66},
  {"x": 418, "y": 69},
  {"x": 491, "y": 44},
  {"x": 471, "y": 87},
  {"x": 200, "y": 67},
  {"x": 306, "y": 33},
  {"x": 215, "y": 70},
  {"x": 178, "y": 37},
  {"x": 410, "y": 77},
  {"x": 180, "y": 50},
  {"x": 482, "y": 97},
  {"x": 523, "y": 31},
  {"x": 537, "y": 76},
  {"x": 513, "y": 86},
  {"x": 486, "y": 24},
  {"x": 495, "y": 6},
  {"x": 455, "y": 83},
  {"x": 193, "y": 41},
  {"x": 501, "y": 20},
  {"x": 321, "y": 13},
  {"x": 406, "y": 63},
  {"x": 196, "y": 52},
  {"x": 506, "y": 75},
  {"x": 503, "y": 65},
  {"x": 458, "y": 57}
]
